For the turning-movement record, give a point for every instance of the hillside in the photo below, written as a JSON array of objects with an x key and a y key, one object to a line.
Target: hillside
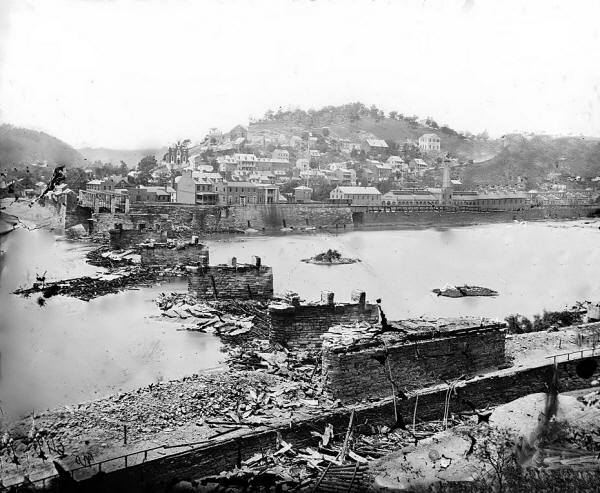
[
  {"x": 21, "y": 146},
  {"x": 114, "y": 156},
  {"x": 355, "y": 121},
  {"x": 537, "y": 156}
]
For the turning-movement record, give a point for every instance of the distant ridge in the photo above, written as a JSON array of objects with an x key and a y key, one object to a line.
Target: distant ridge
[
  {"x": 21, "y": 146},
  {"x": 114, "y": 156}
]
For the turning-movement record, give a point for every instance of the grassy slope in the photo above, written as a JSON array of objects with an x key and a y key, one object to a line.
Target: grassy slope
[
  {"x": 21, "y": 146},
  {"x": 396, "y": 130}
]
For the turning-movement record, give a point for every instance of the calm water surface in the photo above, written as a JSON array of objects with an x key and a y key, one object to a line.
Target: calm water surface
[
  {"x": 532, "y": 265},
  {"x": 70, "y": 350}
]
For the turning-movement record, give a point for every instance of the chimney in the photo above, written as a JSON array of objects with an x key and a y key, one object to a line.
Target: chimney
[
  {"x": 359, "y": 297},
  {"x": 327, "y": 297}
]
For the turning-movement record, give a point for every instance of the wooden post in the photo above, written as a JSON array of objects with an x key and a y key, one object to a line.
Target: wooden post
[
  {"x": 393, "y": 389},
  {"x": 214, "y": 286},
  {"x": 344, "y": 451}
]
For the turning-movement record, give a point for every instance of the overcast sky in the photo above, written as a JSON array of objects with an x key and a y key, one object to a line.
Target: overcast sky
[{"x": 133, "y": 73}]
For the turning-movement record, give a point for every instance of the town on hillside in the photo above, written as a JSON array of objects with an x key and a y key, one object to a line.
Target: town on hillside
[{"x": 256, "y": 164}]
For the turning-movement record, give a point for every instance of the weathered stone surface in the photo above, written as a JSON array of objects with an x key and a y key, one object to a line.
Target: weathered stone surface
[
  {"x": 242, "y": 281},
  {"x": 185, "y": 220},
  {"x": 301, "y": 326},
  {"x": 365, "y": 373},
  {"x": 169, "y": 255}
]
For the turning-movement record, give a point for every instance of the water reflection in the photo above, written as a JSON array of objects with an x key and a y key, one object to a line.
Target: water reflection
[{"x": 70, "y": 350}]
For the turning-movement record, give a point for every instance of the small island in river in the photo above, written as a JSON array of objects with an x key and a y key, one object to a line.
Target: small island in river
[
  {"x": 330, "y": 257},
  {"x": 462, "y": 291}
]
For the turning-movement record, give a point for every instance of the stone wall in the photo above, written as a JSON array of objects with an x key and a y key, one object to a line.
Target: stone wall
[
  {"x": 123, "y": 239},
  {"x": 433, "y": 218},
  {"x": 169, "y": 255},
  {"x": 352, "y": 375},
  {"x": 300, "y": 326},
  {"x": 493, "y": 390},
  {"x": 277, "y": 216},
  {"x": 181, "y": 220},
  {"x": 238, "y": 281}
]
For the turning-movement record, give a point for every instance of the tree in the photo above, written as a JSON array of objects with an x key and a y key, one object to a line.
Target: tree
[
  {"x": 393, "y": 146},
  {"x": 393, "y": 114},
  {"x": 432, "y": 123},
  {"x": 145, "y": 167},
  {"x": 76, "y": 178},
  {"x": 325, "y": 132}
]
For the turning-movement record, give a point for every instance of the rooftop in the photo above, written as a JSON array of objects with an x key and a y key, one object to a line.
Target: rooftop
[
  {"x": 359, "y": 190},
  {"x": 376, "y": 143}
]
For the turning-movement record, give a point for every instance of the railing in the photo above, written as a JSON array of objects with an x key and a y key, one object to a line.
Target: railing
[
  {"x": 93, "y": 468},
  {"x": 109, "y": 200},
  {"x": 568, "y": 355},
  {"x": 127, "y": 461}
]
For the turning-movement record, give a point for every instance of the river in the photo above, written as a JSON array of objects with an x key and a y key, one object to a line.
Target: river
[{"x": 69, "y": 350}]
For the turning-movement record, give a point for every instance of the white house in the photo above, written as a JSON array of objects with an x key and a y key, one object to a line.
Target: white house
[
  {"x": 281, "y": 154},
  {"x": 396, "y": 163},
  {"x": 429, "y": 143}
]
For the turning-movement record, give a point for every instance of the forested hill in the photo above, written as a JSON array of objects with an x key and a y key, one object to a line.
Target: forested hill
[
  {"x": 131, "y": 157},
  {"x": 21, "y": 146},
  {"x": 534, "y": 157}
]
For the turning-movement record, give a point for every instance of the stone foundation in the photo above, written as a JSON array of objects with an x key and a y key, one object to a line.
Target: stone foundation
[
  {"x": 236, "y": 281},
  {"x": 300, "y": 326},
  {"x": 181, "y": 220},
  {"x": 174, "y": 254},
  {"x": 413, "y": 361}
]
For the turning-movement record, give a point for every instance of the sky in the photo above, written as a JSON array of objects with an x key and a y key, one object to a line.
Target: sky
[{"x": 142, "y": 73}]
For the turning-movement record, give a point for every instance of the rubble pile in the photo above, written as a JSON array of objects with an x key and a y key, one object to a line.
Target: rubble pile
[
  {"x": 328, "y": 461},
  {"x": 231, "y": 320},
  {"x": 124, "y": 272},
  {"x": 237, "y": 397},
  {"x": 87, "y": 288},
  {"x": 343, "y": 336},
  {"x": 330, "y": 257},
  {"x": 111, "y": 259}
]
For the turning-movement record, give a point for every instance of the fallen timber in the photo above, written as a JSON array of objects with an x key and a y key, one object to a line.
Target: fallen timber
[
  {"x": 227, "y": 452},
  {"x": 87, "y": 288}
]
